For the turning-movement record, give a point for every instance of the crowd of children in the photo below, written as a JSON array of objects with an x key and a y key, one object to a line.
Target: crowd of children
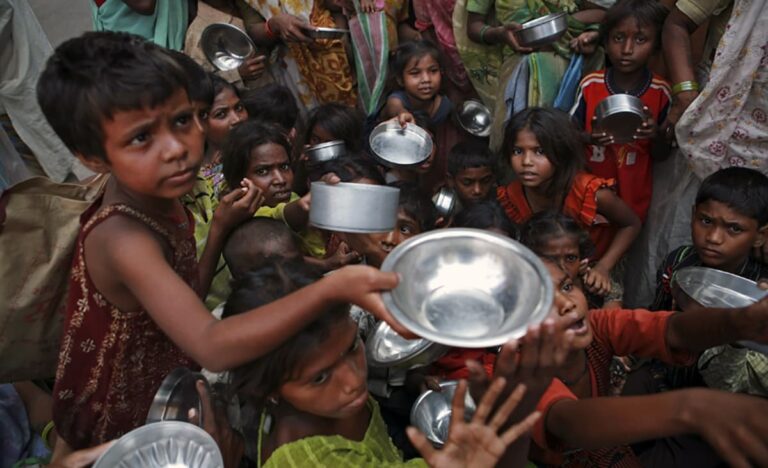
[{"x": 199, "y": 252}]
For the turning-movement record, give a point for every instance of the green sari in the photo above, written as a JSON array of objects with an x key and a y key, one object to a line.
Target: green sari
[{"x": 165, "y": 27}]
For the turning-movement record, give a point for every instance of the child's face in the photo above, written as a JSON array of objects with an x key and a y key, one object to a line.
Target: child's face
[
  {"x": 153, "y": 152},
  {"x": 319, "y": 135},
  {"x": 532, "y": 166},
  {"x": 473, "y": 184},
  {"x": 723, "y": 238},
  {"x": 332, "y": 380},
  {"x": 226, "y": 112},
  {"x": 569, "y": 307},
  {"x": 270, "y": 170},
  {"x": 375, "y": 247},
  {"x": 630, "y": 45},
  {"x": 422, "y": 78},
  {"x": 563, "y": 249}
]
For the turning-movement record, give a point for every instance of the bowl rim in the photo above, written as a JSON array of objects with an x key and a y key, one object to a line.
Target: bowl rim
[
  {"x": 387, "y": 127},
  {"x": 326, "y": 144},
  {"x": 423, "y": 396},
  {"x": 537, "y": 315},
  {"x": 692, "y": 272},
  {"x": 546, "y": 19},
  {"x": 370, "y": 354},
  {"x": 215, "y": 27}
]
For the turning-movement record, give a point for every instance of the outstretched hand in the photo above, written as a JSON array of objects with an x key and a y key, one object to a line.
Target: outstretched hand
[{"x": 238, "y": 205}]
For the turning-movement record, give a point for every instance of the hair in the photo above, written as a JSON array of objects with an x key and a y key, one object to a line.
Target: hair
[
  {"x": 244, "y": 138},
  {"x": 744, "y": 190},
  {"x": 343, "y": 122},
  {"x": 416, "y": 204},
  {"x": 220, "y": 84},
  {"x": 646, "y": 12},
  {"x": 558, "y": 138},
  {"x": 89, "y": 78},
  {"x": 487, "y": 214},
  {"x": 255, "y": 381},
  {"x": 407, "y": 51},
  {"x": 469, "y": 154},
  {"x": 353, "y": 167},
  {"x": 547, "y": 225},
  {"x": 200, "y": 84},
  {"x": 272, "y": 103},
  {"x": 258, "y": 241}
]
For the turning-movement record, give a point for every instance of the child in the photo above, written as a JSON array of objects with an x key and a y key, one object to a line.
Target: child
[
  {"x": 275, "y": 104},
  {"x": 314, "y": 404},
  {"x": 226, "y": 112},
  {"x": 257, "y": 241},
  {"x": 336, "y": 121},
  {"x": 730, "y": 218},
  {"x": 487, "y": 215},
  {"x": 134, "y": 313},
  {"x": 543, "y": 148},
  {"x": 470, "y": 172},
  {"x": 631, "y": 34}
]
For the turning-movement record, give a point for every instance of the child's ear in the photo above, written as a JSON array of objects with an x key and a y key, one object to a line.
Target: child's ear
[
  {"x": 761, "y": 236},
  {"x": 94, "y": 163}
]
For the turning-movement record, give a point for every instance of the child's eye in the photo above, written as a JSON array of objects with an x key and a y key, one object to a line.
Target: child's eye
[
  {"x": 285, "y": 167},
  {"x": 567, "y": 287},
  {"x": 705, "y": 220},
  {"x": 261, "y": 172},
  {"x": 571, "y": 258},
  {"x": 406, "y": 229},
  {"x": 640, "y": 39},
  {"x": 140, "y": 138},
  {"x": 736, "y": 229},
  {"x": 618, "y": 38},
  {"x": 517, "y": 151},
  {"x": 220, "y": 114},
  {"x": 321, "y": 378},
  {"x": 183, "y": 119},
  {"x": 239, "y": 107},
  {"x": 539, "y": 150}
]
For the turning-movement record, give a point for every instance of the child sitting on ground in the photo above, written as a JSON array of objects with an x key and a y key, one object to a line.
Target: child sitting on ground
[{"x": 471, "y": 172}]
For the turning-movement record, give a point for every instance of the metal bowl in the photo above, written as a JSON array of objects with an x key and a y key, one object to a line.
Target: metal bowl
[
  {"x": 325, "y": 152},
  {"x": 385, "y": 348},
  {"x": 347, "y": 207},
  {"x": 317, "y": 33},
  {"x": 431, "y": 413},
  {"x": 395, "y": 146},
  {"x": 176, "y": 396},
  {"x": 167, "y": 444},
  {"x": 445, "y": 201},
  {"x": 475, "y": 118},
  {"x": 620, "y": 115},
  {"x": 542, "y": 31},
  {"x": 467, "y": 288},
  {"x": 696, "y": 287},
  {"x": 226, "y": 46}
]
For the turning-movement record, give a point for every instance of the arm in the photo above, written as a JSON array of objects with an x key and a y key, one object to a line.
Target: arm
[
  {"x": 296, "y": 213},
  {"x": 142, "y": 7},
  {"x": 392, "y": 108},
  {"x": 676, "y": 40},
  {"x": 592, "y": 15},
  {"x": 482, "y": 33}
]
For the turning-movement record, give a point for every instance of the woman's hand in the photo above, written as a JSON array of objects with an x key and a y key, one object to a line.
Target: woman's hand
[
  {"x": 510, "y": 39},
  {"x": 289, "y": 28},
  {"x": 253, "y": 67},
  {"x": 477, "y": 443},
  {"x": 680, "y": 103},
  {"x": 597, "y": 280},
  {"x": 585, "y": 43},
  {"x": 237, "y": 206}
]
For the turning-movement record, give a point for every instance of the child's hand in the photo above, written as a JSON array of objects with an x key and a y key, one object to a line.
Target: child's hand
[
  {"x": 344, "y": 255},
  {"x": 238, "y": 205},
  {"x": 216, "y": 423},
  {"x": 476, "y": 444},
  {"x": 403, "y": 118},
  {"x": 511, "y": 40},
  {"x": 599, "y": 137},
  {"x": 648, "y": 128},
  {"x": 597, "y": 280},
  {"x": 253, "y": 67},
  {"x": 585, "y": 43}
]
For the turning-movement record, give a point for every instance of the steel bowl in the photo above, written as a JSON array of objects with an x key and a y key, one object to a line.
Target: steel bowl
[
  {"x": 620, "y": 115},
  {"x": 431, "y": 413},
  {"x": 167, "y": 444},
  {"x": 318, "y": 33},
  {"x": 445, "y": 201},
  {"x": 467, "y": 288},
  {"x": 348, "y": 207},
  {"x": 325, "y": 152},
  {"x": 385, "y": 348},
  {"x": 475, "y": 118},
  {"x": 226, "y": 46},
  {"x": 176, "y": 396},
  {"x": 696, "y": 287},
  {"x": 542, "y": 31},
  {"x": 397, "y": 146}
]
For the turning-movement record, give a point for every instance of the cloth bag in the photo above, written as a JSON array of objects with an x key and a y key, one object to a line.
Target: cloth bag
[{"x": 39, "y": 224}]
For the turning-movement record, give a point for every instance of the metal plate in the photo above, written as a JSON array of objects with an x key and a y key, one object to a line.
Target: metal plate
[
  {"x": 396, "y": 146},
  {"x": 325, "y": 152},
  {"x": 325, "y": 33},
  {"x": 176, "y": 396},
  {"x": 431, "y": 413},
  {"x": 543, "y": 30},
  {"x": 226, "y": 46}
]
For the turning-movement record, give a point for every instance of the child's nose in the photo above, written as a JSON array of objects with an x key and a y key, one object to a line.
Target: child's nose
[
  {"x": 174, "y": 148},
  {"x": 351, "y": 375},
  {"x": 563, "y": 304},
  {"x": 715, "y": 236},
  {"x": 627, "y": 47}
]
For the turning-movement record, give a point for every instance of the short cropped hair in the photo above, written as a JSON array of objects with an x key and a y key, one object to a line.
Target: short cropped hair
[
  {"x": 247, "y": 135},
  {"x": 469, "y": 154},
  {"x": 253, "y": 243},
  {"x": 416, "y": 204},
  {"x": 89, "y": 78},
  {"x": 487, "y": 214},
  {"x": 646, "y": 12},
  {"x": 744, "y": 190},
  {"x": 272, "y": 103}
]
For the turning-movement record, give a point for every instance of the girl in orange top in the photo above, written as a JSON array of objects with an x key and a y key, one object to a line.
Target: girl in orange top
[{"x": 544, "y": 151}]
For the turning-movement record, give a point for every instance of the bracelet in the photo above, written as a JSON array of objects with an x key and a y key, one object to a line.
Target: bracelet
[
  {"x": 683, "y": 86},
  {"x": 268, "y": 31},
  {"x": 482, "y": 33},
  {"x": 47, "y": 432}
]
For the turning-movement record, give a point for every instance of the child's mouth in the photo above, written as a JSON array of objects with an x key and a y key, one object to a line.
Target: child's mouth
[{"x": 579, "y": 326}]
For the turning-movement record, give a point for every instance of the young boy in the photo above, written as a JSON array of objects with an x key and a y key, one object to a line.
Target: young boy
[
  {"x": 273, "y": 104},
  {"x": 257, "y": 241},
  {"x": 631, "y": 33},
  {"x": 470, "y": 172},
  {"x": 730, "y": 218}
]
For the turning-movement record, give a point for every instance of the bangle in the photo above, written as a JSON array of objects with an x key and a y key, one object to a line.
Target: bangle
[
  {"x": 683, "y": 86},
  {"x": 482, "y": 33},
  {"x": 46, "y": 433},
  {"x": 268, "y": 31}
]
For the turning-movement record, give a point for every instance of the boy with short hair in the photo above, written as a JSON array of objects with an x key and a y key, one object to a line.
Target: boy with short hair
[
  {"x": 470, "y": 172},
  {"x": 257, "y": 241}
]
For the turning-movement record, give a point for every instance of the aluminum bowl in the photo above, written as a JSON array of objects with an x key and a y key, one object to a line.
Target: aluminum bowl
[
  {"x": 445, "y": 201},
  {"x": 167, "y": 444},
  {"x": 467, "y": 288},
  {"x": 347, "y": 207},
  {"x": 395, "y": 146},
  {"x": 385, "y": 348},
  {"x": 325, "y": 152},
  {"x": 475, "y": 118},
  {"x": 317, "y": 33},
  {"x": 696, "y": 287},
  {"x": 620, "y": 115},
  {"x": 431, "y": 413},
  {"x": 542, "y": 31},
  {"x": 226, "y": 46},
  {"x": 176, "y": 396}
]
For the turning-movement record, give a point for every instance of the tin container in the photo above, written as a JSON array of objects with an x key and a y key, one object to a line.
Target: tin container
[
  {"x": 226, "y": 46},
  {"x": 432, "y": 412},
  {"x": 542, "y": 31},
  {"x": 348, "y": 207},
  {"x": 324, "y": 152},
  {"x": 620, "y": 115},
  {"x": 445, "y": 202},
  {"x": 475, "y": 118}
]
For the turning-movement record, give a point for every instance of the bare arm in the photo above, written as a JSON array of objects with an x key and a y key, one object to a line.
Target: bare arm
[
  {"x": 392, "y": 108},
  {"x": 592, "y": 15},
  {"x": 676, "y": 40},
  {"x": 483, "y": 33},
  {"x": 620, "y": 215},
  {"x": 142, "y": 7}
]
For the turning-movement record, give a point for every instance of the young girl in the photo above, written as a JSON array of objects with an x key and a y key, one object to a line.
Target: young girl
[
  {"x": 313, "y": 400},
  {"x": 544, "y": 150},
  {"x": 226, "y": 112}
]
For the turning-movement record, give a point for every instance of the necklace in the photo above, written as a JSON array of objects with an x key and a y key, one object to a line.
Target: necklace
[{"x": 570, "y": 382}]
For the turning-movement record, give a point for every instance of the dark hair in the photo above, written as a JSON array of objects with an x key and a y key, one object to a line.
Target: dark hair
[
  {"x": 416, "y": 204},
  {"x": 409, "y": 50},
  {"x": 353, "y": 167},
  {"x": 486, "y": 215},
  {"x": 89, "y": 78},
  {"x": 547, "y": 225},
  {"x": 469, "y": 154},
  {"x": 647, "y": 13},
  {"x": 256, "y": 241},
  {"x": 255, "y": 381},
  {"x": 272, "y": 103},
  {"x": 247, "y": 135},
  {"x": 343, "y": 122},
  {"x": 200, "y": 85},
  {"x": 744, "y": 190},
  {"x": 220, "y": 84},
  {"x": 558, "y": 138}
]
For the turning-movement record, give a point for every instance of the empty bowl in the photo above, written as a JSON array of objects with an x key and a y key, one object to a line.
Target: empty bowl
[
  {"x": 620, "y": 115},
  {"x": 176, "y": 396},
  {"x": 467, "y": 288},
  {"x": 397, "y": 146},
  {"x": 475, "y": 118},
  {"x": 431, "y": 413},
  {"x": 445, "y": 201},
  {"x": 542, "y": 31},
  {"x": 226, "y": 46},
  {"x": 385, "y": 348},
  {"x": 347, "y": 207},
  {"x": 325, "y": 152}
]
